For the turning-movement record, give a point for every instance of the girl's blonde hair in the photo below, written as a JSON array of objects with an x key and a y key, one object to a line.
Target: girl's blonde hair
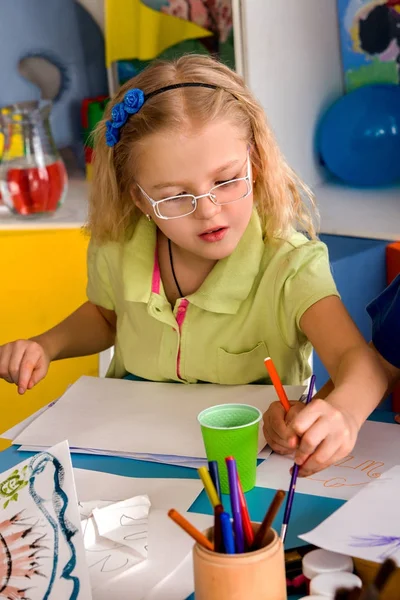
[{"x": 281, "y": 198}]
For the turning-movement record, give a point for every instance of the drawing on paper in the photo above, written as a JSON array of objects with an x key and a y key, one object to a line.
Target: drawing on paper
[
  {"x": 374, "y": 453},
  {"x": 369, "y": 468},
  {"x": 115, "y": 536},
  {"x": 62, "y": 531},
  {"x": 38, "y": 557},
  {"x": 370, "y": 41},
  {"x": 15, "y": 482},
  {"x": 391, "y": 542},
  {"x": 128, "y": 521},
  {"x": 21, "y": 551},
  {"x": 105, "y": 558}
]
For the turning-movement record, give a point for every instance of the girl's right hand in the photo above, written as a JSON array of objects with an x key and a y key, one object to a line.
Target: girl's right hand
[
  {"x": 24, "y": 362},
  {"x": 277, "y": 427}
]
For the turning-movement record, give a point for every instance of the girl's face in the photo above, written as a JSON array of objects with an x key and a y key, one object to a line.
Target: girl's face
[{"x": 175, "y": 164}]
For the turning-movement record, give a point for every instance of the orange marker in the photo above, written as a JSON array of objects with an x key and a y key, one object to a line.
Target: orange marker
[
  {"x": 273, "y": 373},
  {"x": 190, "y": 529}
]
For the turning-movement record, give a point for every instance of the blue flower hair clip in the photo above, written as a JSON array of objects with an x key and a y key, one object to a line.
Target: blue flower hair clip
[{"x": 133, "y": 102}]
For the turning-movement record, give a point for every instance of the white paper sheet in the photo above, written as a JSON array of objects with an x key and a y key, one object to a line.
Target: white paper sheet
[
  {"x": 168, "y": 546},
  {"x": 179, "y": 461},
  {"x": 125, "y": 523},
  {"x": 145, "y": 418},
  {"x": 86, "y": 508},
  {"x": 106, "y": 560},
  {"x": 42, "y": 544},
  {"x": 176, "y": 585},
  {"x": 376, "y": 450},
  {"x": 12, "y": 433},
  {"x": 163, "y": 493},
  {"x": 368, "y": 525}
]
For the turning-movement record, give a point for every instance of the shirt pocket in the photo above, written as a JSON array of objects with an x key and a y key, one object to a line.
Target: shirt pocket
[{"x": 239, "y": 368}]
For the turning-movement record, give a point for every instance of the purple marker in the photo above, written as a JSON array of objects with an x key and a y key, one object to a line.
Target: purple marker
[
  {"x": 235, "y": 504},
  {"x": 292, "y": 486}
]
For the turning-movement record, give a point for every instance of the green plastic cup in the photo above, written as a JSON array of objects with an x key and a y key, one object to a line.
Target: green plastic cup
[{"x": 232, "y": 430}]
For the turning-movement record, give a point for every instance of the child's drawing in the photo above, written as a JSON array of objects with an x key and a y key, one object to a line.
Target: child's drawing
[
  {"x": 41, "y": 547},
  {"x": 10, "y": 487},
  {"x": 366, "y": 526},
  {"x": 391, "y": 543},
  {"x": 368, "y": 470},
  {"x": 376, "y": 451},
  {"x": 115, "y": 536},
  {"x": 105, "y": 559},
  {"x": 21, "y": 551}
]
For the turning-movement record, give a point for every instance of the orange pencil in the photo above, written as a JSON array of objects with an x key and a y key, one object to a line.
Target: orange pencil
[
  {"x": 273, "y": 373},
  {"x": 190, "y": 529}
]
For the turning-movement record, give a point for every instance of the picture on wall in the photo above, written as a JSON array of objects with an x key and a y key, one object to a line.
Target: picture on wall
[
  {"x": 370, "y": 41},
  {"x": 213, "y": 16}
]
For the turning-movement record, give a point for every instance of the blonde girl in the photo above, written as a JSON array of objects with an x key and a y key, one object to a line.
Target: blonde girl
[{"x": 197, "y": 268}]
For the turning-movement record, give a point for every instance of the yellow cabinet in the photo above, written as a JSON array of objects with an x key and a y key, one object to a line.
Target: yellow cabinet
[{"x": 43, "y": 279}]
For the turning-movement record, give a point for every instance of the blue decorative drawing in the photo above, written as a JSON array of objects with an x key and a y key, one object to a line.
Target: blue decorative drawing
[{"x": 38, "y": 465}]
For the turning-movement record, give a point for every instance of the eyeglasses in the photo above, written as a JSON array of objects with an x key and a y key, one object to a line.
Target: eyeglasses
[{"x": 175, "y": 207}]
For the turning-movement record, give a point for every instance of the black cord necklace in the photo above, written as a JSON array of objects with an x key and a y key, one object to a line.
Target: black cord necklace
[{"x": 171, "y": 262}]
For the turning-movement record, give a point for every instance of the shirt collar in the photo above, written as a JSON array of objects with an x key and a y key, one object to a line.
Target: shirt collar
[
  {"x": 224, "y": 289},
  {"x": 138, "y": 261}
]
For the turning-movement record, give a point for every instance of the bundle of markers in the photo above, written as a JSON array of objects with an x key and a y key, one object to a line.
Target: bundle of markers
[{"x": 236, "y": 535}]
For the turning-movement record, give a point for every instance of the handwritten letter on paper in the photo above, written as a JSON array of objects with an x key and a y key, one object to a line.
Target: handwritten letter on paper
[{"x": 377, "y": 450}]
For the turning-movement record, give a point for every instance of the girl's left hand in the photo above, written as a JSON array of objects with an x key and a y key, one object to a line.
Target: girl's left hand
[{"x": 327, "y": 434}]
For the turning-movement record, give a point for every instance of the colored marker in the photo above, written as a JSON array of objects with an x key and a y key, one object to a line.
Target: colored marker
[
  {"x": 268, "y": 520},
  {"x": 293, "y": 480},
  {"x": 227, "y": 533},
  {"x": 247, "y": 528},
  {"x": 235, "y": 503},
  {"x": 190, "y": 529},
  {"x": 214, "y": 474},
  {"x": 209, "y": 486},
  {"x": 273, "y": 373},
  {"x": 218, "y": 541}
]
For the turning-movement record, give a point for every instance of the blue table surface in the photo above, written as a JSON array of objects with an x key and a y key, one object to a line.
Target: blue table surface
[{"x": 307, "y": 512}]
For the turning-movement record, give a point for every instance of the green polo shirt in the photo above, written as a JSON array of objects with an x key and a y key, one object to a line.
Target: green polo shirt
[{"x": 248, "y": 307}]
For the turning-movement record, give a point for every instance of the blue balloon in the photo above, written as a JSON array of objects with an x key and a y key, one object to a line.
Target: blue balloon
[{"x": 358, "y": 138}]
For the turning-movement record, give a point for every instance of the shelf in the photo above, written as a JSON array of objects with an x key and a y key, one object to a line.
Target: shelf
[
  {"x": 359, "y": 212},
  {"x": 71, "y": 215}
]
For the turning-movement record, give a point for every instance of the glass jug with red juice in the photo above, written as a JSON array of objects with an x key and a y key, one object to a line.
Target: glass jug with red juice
[{"x": 33, "y": 178}]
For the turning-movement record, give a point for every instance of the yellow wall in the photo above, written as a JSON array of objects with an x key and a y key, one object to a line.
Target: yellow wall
[{"x": 42, "y": 279}]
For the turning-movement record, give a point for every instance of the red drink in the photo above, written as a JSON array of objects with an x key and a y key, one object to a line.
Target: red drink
[{"x": 33, "y": 190}]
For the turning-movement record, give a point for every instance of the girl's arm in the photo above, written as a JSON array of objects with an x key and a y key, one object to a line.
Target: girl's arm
[
  {"x": 392, "y": 375},
  {"x": 88, "y": 330},
  {"x": 328, "y": 428}
]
